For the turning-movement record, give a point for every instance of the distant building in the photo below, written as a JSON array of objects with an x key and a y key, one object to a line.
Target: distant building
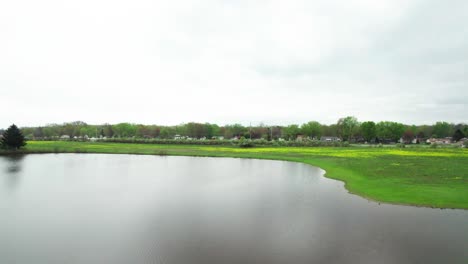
[
  {"x": 65, "y": 137},
  {"x": 446, "y": 140},
  {"x": 330, "y": 139},
  {"x": 462, "y": 142},
  {"x": 178, "y": 137},
  {"x": 418, "y": 140}
]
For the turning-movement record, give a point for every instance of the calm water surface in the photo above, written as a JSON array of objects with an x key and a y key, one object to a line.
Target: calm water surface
[{"x": 85, "y": 208}]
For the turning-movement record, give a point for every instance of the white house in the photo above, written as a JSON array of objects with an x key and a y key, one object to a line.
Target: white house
[
  {"x": 446, "y": 140},
  {"x": 330, "y": 139},
  {"x": 178, "y": 137}
]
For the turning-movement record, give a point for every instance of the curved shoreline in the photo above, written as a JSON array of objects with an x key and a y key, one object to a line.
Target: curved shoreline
[{"x": 389, "y": 190}]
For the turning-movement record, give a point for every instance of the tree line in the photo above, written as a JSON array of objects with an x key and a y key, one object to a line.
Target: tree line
[{"x": 347, "y": 129}]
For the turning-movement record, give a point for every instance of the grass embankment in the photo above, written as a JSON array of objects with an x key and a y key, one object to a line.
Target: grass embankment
[{"x": 413, "y": 176}]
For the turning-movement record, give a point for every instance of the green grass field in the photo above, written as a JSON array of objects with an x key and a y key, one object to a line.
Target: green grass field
[{"x": 412, "y": 176}]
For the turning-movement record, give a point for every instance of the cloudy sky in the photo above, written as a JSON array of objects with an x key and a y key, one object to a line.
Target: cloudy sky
[{"x": 276, "y": 62}]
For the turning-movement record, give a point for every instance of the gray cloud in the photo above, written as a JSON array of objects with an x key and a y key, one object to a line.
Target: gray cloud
[{"x": 233, "y": 61}]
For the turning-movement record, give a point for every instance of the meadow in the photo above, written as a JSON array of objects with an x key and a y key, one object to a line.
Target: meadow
[{"x": 430, "y": 177}]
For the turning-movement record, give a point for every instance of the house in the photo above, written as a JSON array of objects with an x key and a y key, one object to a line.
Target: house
[
  {"x": 414, "y": 140},
  {"x": 447, "y": 140},
  {"x": 300, "y": 137},
  {"x": 65, "y": 137},
  {"x": 330, "y": 139},
  {"x": 178, "y": 137},
  {"x": 462, "y": 142}
]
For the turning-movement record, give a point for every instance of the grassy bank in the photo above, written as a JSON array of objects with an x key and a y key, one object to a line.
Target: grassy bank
[{"x": 414, "y": 176}]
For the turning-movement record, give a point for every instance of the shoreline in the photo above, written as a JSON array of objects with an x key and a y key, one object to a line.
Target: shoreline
[{"x": 348, "y": 165}]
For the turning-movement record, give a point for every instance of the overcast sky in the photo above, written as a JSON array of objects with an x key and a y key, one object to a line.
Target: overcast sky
[{"x": 276, "y": 62}]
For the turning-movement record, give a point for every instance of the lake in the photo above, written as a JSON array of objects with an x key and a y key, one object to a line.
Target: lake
[{"x": 93, "y": 208}]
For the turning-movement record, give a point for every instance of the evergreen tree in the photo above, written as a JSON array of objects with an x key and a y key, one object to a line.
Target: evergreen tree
[
  {"x": 458, "y": 135},
  {"x": 13, "y": 138}
]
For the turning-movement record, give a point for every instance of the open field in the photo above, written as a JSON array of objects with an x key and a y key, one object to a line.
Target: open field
[{"x": 413, "y": 176}]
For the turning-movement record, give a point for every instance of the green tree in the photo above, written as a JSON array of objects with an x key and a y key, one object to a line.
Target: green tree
[
  {"x": 108, "y": 131},
  {"x": 28, "y": 132},
  {"x": 387, "y": 130},
  {"x": 13, "y": 138},
  {"x": 424, "y": 131},
  {"x": 166, "y": 132},
  {"x": 312, "y": 129},
  {"x": 124, "y": 130},
  {"x": 330, "y": 130},
  {"x": 291, "y": 132},
  {"x": 196, "y": 130},
  {"x": 38, "y": 133},
  {"x": 212, "y": 130},
  {"x": 442, "y": 129},
  {"x": 368, "y": 130},
  {"x": 347, "y": 127},
  {"x": 90, "y": 131}
]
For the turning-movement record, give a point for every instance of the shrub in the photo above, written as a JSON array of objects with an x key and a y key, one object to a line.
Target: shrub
[{"x": 246, "y": 143}]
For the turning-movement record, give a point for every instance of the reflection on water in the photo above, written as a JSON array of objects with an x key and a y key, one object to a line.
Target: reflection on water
[
  {"x": 12, "y": 165},
  {"x": 13, "y": 162},
  {"x": 86, "y": 208}
]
